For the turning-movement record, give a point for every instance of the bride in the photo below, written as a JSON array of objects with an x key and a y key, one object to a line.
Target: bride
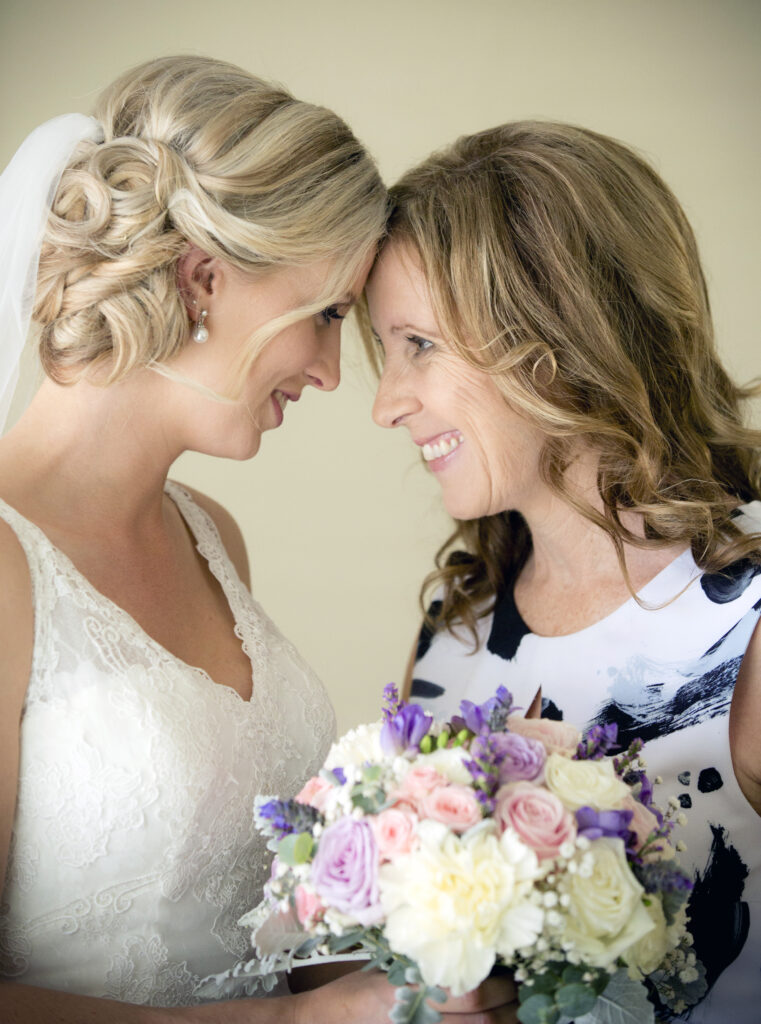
[{"x": 208, "y": 234}]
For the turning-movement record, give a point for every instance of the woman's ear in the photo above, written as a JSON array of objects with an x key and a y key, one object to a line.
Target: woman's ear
[{"x": 195, "y": 277}]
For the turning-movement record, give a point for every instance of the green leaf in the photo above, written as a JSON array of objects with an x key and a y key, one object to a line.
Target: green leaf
[
  {"x": 572, "y": 973},
  {"x": 411, "y": 1007},
  {"x": 544, "y": 984},
  {"x": 340, "y": 943},
  {"x": 295, "y": 848},
  {"x": 623, "y": 1002},
  {"x": 575, "y": 999},
  {"x": 538, "y": 1009}
]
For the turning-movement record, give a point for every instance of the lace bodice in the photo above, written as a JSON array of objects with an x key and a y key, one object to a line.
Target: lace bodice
[{"x": 133, "y": 851}]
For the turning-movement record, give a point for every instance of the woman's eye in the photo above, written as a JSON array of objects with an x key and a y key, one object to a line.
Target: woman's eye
[
  {"x": 421, "y": 344},
  {"x": 331, "y": 313}
]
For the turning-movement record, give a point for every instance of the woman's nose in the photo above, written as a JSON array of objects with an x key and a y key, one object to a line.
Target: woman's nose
[
  {"x": 325, "y": 372},
  {"x": 394, "y": 400}
]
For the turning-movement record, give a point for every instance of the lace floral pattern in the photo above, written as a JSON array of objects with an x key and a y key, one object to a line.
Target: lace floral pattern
[{"x": 133, "y": 851}]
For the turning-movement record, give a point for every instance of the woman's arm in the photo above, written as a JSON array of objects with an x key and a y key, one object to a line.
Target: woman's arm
[
  {"x": 745, "y": 723},
  {"x": 16, "y": 643}
]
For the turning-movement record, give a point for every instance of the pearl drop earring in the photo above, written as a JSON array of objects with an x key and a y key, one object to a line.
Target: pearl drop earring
[{"x": 200, "y": 333}]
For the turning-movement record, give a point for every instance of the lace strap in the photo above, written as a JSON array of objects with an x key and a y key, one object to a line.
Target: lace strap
[{"x": 34, "y": 543}]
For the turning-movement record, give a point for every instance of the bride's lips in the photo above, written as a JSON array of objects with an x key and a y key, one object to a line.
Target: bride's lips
[
  {"x": 279, "y": 401},
  {"x": 439, "y": 450}
]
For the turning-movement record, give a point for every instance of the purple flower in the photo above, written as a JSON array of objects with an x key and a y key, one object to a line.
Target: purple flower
[
  {"x": 282, "y": 817},
  {"x": 345, "y": 870},
  {"x": 597, "y": 742},
  {"x": 492, "y": 714},
  {"x": 340, "y": 776},
  {"x": 403, "y": 731},
  {"x": 519, "y": 757},
  {"x": 391, "y": 701},
  {"x": 595, "y": 824}
]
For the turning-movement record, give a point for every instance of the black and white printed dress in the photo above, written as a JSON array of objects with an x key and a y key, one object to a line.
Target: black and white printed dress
[{"x": 666, "y": 675}]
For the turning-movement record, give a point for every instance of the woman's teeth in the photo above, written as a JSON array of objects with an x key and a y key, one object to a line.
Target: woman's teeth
[
  {"x": 281, "y": 399},
  {"x": 438, "y": 448}
]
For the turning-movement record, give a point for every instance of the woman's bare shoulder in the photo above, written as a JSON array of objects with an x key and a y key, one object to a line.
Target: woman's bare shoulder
[
  {"x": 16, "y": 619},
  {"x": 229, "y": 531}
]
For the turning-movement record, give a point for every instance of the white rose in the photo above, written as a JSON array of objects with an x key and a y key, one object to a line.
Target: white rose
[
  {"x": 605, "y": 915},
  {"x": 646, "y": 955},
  {"x": 356, "y": 747},
  {"x": 448, "y": 761},
  {"x": 584, "y": 783},
  {"x": 457, "y": 901}
]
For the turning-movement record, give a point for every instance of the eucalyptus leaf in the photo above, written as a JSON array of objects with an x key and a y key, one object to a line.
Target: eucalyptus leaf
[
  {"x": 538, "y": 1009},
  {"x": 623, "y": 1002},
  {"x": 575, "y": 999},
  {"x": 411, "y": 1007}
]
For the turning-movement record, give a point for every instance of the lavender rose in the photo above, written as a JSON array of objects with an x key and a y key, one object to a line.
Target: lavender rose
[
  {"x": 345, "y": 870},
  {"x": 521, "y": 758}
]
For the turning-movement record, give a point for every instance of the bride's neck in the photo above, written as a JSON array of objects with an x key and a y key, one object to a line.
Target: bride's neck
[{"x": 83, "y": 447}]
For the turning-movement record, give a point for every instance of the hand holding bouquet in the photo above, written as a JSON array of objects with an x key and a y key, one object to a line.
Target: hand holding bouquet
[{"x": 442, "y": 849}]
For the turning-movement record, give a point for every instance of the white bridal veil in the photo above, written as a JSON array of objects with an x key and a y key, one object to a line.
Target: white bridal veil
[{"x": 27, "y": 187}]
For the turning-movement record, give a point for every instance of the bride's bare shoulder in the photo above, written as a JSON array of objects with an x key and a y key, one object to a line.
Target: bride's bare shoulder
[{"x": 16, "y": 618}]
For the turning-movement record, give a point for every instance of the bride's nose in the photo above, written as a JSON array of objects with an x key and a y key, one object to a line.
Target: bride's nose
[
  {"x": 325, "y": 372},
  {"x": 395, "y": 399}
]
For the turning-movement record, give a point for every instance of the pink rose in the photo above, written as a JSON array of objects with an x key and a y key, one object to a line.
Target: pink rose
[
  {"x": 557, "y": 737},
  {"x": 418, "y": 783},
  {"x": 308, "y": 906},
  {"x": 455, "y": 806},
  {"x": 394, "y": 831},
  {"x": 314, "y": 792},
  {"x": 642, "y": 824},
  {"x": 537, "y": 815}
]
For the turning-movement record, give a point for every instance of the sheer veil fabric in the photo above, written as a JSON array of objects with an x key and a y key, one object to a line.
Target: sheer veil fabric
[{"x": 27, "y": 187}]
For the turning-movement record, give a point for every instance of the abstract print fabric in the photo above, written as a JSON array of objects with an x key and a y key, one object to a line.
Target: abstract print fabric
[{"x": 665, "y": 672}]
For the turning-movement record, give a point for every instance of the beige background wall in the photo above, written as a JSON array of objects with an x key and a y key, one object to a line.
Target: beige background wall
[{"x": 340, "y": 520}]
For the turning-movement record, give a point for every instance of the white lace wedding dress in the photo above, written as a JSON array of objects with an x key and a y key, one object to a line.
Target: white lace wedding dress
[{"x": 133, "y": 851}]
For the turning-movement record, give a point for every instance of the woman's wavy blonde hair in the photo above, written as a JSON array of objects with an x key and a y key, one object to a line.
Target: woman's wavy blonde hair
[
  {"x": 195, "y": 151},
  {"x": 559, "y": 262}
]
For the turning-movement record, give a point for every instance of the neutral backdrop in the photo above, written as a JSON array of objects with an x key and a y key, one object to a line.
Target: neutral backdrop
[{"x": 340, "y": 519}]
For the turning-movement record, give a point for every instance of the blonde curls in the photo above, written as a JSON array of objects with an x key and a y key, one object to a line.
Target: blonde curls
[
  {"x": 560, "y": 263},
  {"x": 196, "y": 152}
]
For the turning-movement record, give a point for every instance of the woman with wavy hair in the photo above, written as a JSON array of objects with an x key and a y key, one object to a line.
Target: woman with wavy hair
[
  {"x": 187, "y": 256},
  {"x": 542, "y": 325}
]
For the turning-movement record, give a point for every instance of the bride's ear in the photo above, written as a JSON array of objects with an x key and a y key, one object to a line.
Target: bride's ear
[{"x": 195, "y": 276}]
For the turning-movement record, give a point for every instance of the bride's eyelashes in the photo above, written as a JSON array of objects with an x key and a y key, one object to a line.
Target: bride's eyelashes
[{"x": 330, "y": 314}]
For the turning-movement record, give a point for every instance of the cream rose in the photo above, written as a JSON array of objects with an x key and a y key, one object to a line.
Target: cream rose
[
  {"x": 585, "y": 783},
  {"x": 646, "y": 956},
  {"x": 605, "y": 915},
  {"x": 449, "y": 762},
  {"x": 457, "y": 901},
  {"x": 557, "y": 737}
]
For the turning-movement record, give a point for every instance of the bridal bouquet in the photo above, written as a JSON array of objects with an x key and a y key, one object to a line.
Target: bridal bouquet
[{"x": 442, "y": 849}]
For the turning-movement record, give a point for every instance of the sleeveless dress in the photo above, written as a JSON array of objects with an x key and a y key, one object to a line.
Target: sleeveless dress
[
  {"x": 133, "y": 852},
  {"x": 666, "y": 675}
]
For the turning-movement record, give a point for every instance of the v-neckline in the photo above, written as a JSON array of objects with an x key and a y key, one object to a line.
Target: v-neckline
[{"x": 179, "y": 497}]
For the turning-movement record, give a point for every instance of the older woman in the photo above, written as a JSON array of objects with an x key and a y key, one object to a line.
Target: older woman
[
  {"x": 207, "y": 235},
  {"x": 545, "y": 336}
]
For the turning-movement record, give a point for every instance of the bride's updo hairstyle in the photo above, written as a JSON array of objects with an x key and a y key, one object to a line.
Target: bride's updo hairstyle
[
  {"x": 195, "y": 151},
  {"x": 560, "y": 263}
]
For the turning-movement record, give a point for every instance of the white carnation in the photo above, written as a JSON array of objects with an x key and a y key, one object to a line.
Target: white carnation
[
  {"x": 456, "y": 902},
  {"x": 356, "y": 747}
]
